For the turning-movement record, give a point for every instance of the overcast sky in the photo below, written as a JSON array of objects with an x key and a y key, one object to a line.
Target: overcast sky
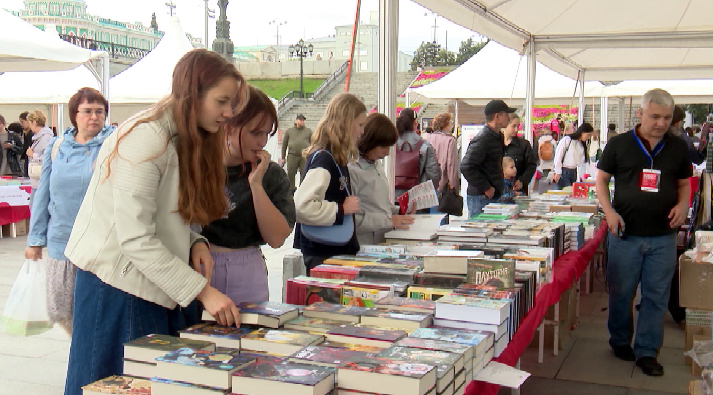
[{"x": 249, "y": 19}]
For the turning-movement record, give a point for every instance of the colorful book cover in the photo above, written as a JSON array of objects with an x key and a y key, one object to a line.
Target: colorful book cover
[
  {"x": 323, "y": 307},
  {"x": 427, "y": 293},
  {"x": 307, "y": 292},
  {"x": 379, "y": 283},
  {"x": 440, "y": 359},
  {"x": 376, "y": 272},
  {"x": 368, "y": 333},
  {"x": 352, "y": 347},
  {"x": 388, "y": 366},
  {"x": 284, "y": 337},
  {"x": 397, "y": 315},
  {"x": 362, "y": 297},
  {"x": 308, "y": 324},
  {"x": 444, "y": 334},
  {"x": 430, "y": 344},
  {"x": 438, "y": 280},
  {"x": 497, "y": 273},
  {"x": 286, "y": 372},
  {"x": 120, "y": 385},
  {"x": 224, "y": 360},
  {"x": 215, "y": 330},
  {"x": 167, "y": 343},
  {"x": 335, "y": 272},
  {"x": 188, "y": 385},
  {"x": 263, "y": 357},
  {"x": 475, "y": 301},
  {"x": 329, "y": 355},
  {"x": 407, "y": 303},
  {"x": 266, "y": 308}
]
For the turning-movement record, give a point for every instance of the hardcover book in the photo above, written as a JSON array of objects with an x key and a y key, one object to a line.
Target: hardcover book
[
  {"x": 438, "y": 345},
  {"x": 307, "y": 291},
  {"x": 150, "y": 347},
  {"x": 335, "y": 272},
  {"x": 497, "y": 273},
  {"x": 443, "y": 360},
  {"x": 312, "y": 325},
  {"x": 139, "y": 369},
  {"x": 469, "y": 338},
  {"x": 473, "y": 309},
  {"x": 208, "y": 368},
  {"x": 222, "y": 336},
  {"x": 119, "y": 385},
  {"x": 406, "y": 304},
  {"x": 365, "y": 336},
  {"x": 265, "y": 378},
  {"x": 327, "y": 356},
  {"x": 396, "y": 319},
  {"x": 382, "y": 375},
  {"x": 334, "y": 312},
  {"x": 266, "y": 313},
  {"x": 363, "y": 296},
  {"x": 279, "y": 342}
]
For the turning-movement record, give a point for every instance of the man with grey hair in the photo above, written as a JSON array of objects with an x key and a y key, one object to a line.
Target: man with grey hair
[{"x": 651, "y": 169}]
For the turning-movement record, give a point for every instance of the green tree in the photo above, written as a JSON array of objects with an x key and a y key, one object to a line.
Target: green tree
[
  {"x": 430, "y": 54},
  {"x": 468, "y": 48},
  {"x": 698, "y": 111}
]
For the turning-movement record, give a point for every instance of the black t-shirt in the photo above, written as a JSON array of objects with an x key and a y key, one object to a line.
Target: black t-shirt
[
  {"x": 645, "y": 213},
  {"x": 239, "y": 228}
]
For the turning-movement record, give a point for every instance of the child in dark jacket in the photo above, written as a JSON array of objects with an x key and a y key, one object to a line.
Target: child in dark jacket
[{"x": 509, "y": 172}]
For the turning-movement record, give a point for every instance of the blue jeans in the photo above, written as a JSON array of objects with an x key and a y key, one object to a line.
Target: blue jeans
[
  {"x": 476, "y": 204},
  {"x": 650, "y": 261},
  {"x": 568, "y": 177},
  {"x": 104, "y": 319}
]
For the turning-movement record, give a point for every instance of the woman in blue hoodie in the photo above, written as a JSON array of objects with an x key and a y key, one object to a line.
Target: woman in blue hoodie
[{"x": 67, "y": 166}]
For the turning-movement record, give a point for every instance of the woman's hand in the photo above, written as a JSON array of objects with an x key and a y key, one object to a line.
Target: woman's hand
[
  {"x": 556, "y": 177},
  {"x": 33, "y": 253},
  {"x": 258, "y": 171},
  {"x": 219, "y": 306},
  {"x": 401, "y": 221},
  {"x": 517, "y": 185},
  {"x": 29, "y": 152},
  {"x": 351, "y": 205},
  {"x": 201, "y": 259}
]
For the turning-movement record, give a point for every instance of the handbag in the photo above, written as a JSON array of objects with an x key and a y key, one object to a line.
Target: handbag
[
  {"x": 331, "y": 235},
  {"x": 25, "y": 312},
  {"x": 449, "y": 202},
  {"x": 34, "y": 169}
]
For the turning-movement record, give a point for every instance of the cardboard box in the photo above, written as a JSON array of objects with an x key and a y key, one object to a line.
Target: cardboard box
[
  {"x": 584, "y": 208},
  {"x": 560, "y": 208},
  {"x": 696, "y": 370},
  {"x": 695, "y": 387},
  {"x": 695, "y": 283},
  {"x": 20, "y": 229},
  {"x": 693, "y": 331}
]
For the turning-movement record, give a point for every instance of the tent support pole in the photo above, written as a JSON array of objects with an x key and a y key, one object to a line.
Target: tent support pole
[
  {"x": 530, "y": 93},
  {"x": 622, "y": 107},
  {"x": 603, "y": 119},
  {"x": 106, "y": 74},
  {"x": 456, "y": 121},
  {"x": 59, "y": 118},
  {"x": 388, "y": 50},
  {"x": 580, "y": 110}
]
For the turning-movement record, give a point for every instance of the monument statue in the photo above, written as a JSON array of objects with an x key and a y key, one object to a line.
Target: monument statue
[{"x": 222, "y": 43}]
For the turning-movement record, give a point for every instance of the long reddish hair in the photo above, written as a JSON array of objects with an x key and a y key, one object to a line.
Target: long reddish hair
[{"x": 200, "y": 153}]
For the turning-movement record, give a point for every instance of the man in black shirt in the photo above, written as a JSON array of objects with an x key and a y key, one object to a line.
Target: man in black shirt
[
  {"x": 650, "y": 168},
  {"x": 27, "y": 141}
]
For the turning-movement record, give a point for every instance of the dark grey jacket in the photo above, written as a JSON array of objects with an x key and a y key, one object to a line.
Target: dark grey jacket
[
  {"x": 13, "y": 154},
  {"x": 482, "y": 163}
]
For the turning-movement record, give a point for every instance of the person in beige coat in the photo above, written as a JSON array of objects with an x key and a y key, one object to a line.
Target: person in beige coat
[{"x": 160, "y": 172}]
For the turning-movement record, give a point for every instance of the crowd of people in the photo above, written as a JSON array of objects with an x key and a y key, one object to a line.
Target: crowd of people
[{"x": 147, "y": 224}]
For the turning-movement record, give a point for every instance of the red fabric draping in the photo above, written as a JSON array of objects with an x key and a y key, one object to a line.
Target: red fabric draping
[
  {"x": 565, "y": 269},
  {"x": 12, "y": 214}
]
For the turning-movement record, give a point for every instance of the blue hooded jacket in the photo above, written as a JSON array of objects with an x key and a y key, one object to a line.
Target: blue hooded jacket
[{"x": 63, "y": 184}]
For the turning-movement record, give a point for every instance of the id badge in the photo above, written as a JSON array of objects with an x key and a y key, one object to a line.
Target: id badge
[{"x": 650, "y": 180}]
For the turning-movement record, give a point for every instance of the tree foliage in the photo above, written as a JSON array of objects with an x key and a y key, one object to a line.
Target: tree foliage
[
  {"x": 699, "y": 111},
  {"x": 468, "y": 48},
  {"x": 430, "y": 54}
]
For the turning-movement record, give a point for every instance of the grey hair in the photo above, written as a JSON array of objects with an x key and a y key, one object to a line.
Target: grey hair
[{"x": 657, "y": 96}]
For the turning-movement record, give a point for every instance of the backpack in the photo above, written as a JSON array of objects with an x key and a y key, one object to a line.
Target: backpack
[
  {"x": 546, "y": 150},
  {"x": 406, "y": 173}
]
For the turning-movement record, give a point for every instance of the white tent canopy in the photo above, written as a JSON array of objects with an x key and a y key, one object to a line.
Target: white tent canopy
[
  {"x": 45, "y": 87},
  {"x": 149, "y": 79},
  {"x": 24, "y": 47},
  {"x": 497, "y": 72},
  {"x": 610, "y": 40},
  {"x": 683, "y": 91}
]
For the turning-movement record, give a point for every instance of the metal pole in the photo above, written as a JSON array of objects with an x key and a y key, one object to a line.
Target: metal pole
[
  {"x": 206, "y": 24},
  {"x": 580, "y": 110},
  {"x": 530, "y": 96},
  {"x": 277, "y": 47},
  {"x": 388, "y": 48},
  {"x": 301, "y": 55},
  {"x": 603, "y": 117},
  {"x": 355, "y": 30}
]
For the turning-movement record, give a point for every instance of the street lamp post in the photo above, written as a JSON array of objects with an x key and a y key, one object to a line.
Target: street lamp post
[
  {"x": 277, "y": 24},
  {"x": 301, "y": 50}
]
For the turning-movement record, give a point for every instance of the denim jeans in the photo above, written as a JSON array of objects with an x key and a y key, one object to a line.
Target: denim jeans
[
  {"x": 650, "y": 261},
  {"x": 476, "y": 204},
  {"x": 568, "y": 177},
  {"x": 104, "y": 319}
]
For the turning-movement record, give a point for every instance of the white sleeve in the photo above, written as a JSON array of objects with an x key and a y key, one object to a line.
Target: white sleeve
[
  {"x": 310, "y": 206},
  {"x": 559, "y": 154}
]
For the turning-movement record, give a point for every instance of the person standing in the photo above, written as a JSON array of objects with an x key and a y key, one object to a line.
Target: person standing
[
  {"x": 651, "y": 169},
  {"x": 42, "y": 135},
  {"x": 66, "y": 170},
  {"x": 409, "y": 141},
  {"x": 482, "y": 163},
  {"x": 139, "y": 265},
  {"x": 27, "y": 141},
  {"x": 571, "y": 153},
  {"x": 521, "y": 152},
  {"x": 443, "y": 142},
  {"x": 11, "y": 149},
  {"x": 295, "y": 141}
]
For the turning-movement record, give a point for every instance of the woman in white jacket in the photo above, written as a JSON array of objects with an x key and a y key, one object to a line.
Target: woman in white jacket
[{"x": 158, "y": 173}]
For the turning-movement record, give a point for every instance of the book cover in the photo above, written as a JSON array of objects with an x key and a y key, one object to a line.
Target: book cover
[
  {"x": 434, "y": 294},
  {"x": 157, "y": 381},
  {"x": 368, "y": 333},
  {"x": 308, "y": 324},
  {"x": 307, "y": 292},
  {"x": 394, "y": 285},
  {"x": 215, "y": 330},
  {"x": 497, "y": 273},
  {"x": 335, "y": 272},
  {"x": 388, "y": 366},
  {"x": 329, "y": 355},
  {"x": 397, "y": 315},
  {"x": 472, "y": 301},
  {"x": 363, "y": 296},
  {"x": 223, "y": 360},
  {"x": 454, "y": 336},
  {"x": 266, "y": 308},
  {"x": 384, "y": 273},
  {"x": 120, "y": 385},
  {"x": 382, "y": 249},
  {"x": 263, "y": 357},
  {"x": 287, "y": 372},
  {"x": 406, "y": 304},
  {"x": 431, "y": 357},
  {"x": 323, "y": 307},
  {"x": 439, "y": 345},
  {"x": 284, "y": 337},
  {"x": 438, "y": 280},
  {"x": 352, "y": 347},
  {"x": 165, "y": 343}
]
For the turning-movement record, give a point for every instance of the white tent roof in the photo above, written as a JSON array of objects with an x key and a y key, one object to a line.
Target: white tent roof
[
  {"x": 497, "y": 72},
  {"x": 611, "y": 40},
  {"x": 149, "y": 79},
  {"x": 45, "y": 87},
  {"x": 683, "y": 92},
  {"x": 24, "y": 47}
]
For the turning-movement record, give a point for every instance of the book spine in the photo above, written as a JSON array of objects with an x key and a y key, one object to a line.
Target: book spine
[{"x": 296, "y": 293}]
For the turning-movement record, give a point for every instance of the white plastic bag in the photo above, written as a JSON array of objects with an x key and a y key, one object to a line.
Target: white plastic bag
[{"x": 25, "y": 312}]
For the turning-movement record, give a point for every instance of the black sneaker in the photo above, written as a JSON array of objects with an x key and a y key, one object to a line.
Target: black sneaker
[
  {"x": 625, "y": 353},
  {"x": 650, "y": 366}
]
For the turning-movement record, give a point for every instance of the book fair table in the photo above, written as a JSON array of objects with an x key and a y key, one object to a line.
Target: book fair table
[
  {"x": 14, "y": 205},
  {"x": 566, "y": 269}
]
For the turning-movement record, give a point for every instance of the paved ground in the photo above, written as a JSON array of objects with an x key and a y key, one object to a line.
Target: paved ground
[{"x": 37, "y": 365}]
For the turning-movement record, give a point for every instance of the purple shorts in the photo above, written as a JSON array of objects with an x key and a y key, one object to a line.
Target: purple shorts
[{"x": 241, "y": 275}]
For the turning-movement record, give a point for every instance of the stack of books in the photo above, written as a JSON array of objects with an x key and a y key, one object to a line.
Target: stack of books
[
  {"x": 140, "y": 354},
  {"x": 119, "y": 385},
  {"x": 501, "y": 209},
  {"x": 463, "y": 234},
  {"x": 449, "y": 262},
  {"x": 475, "y": 346},
  {"x": 269, "y": 376}
]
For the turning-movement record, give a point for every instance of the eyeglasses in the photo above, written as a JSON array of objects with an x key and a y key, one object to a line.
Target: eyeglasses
[{"x": 88, "y": 112}]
